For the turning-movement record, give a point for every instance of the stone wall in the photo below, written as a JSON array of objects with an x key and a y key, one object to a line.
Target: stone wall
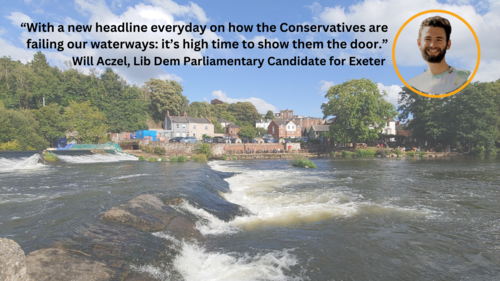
[{"x": 218, "y": 149}]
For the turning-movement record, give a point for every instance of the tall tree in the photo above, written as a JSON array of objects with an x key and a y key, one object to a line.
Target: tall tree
[
  {"x": 21, "y": 126},
  {"x": 166, "y": 95},
  {"x": 51, "y": 121},
  {"x": 244, "y": 111},
  {"x": 358, "y": 105},
  {"x": 269, "y": 115},
  {"x": 88, "y": 121}
]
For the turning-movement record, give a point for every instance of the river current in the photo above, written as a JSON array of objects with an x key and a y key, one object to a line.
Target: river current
[{"x": 348, "y": 219}]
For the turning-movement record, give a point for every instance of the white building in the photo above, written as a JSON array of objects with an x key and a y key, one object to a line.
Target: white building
[{"x": 263, "y": 123}]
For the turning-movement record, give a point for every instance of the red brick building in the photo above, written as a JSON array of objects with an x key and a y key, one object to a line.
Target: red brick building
[
  {"x": 232, "y": 130},
  {"x": 284, "y": 129}
]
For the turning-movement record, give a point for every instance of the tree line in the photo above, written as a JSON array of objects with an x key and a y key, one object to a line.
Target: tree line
[
  {"x": 468, "y": 121},
  {"x": 89, "y": 106}
]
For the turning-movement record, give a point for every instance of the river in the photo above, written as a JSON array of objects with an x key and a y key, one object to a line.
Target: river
[{"x": 348, "y": 219}]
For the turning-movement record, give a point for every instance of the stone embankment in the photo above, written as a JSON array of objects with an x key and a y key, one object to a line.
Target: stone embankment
[{"x": 101, "y": 251}]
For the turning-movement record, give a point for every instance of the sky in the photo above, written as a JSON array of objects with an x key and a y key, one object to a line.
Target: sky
[{"x": 300, "y": 88}]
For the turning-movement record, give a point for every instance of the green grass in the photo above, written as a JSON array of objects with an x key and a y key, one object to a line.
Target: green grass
[
  {"x": 181, "y": 158},
  {"x": 410, "y": 154},
  {"x": 302, "y": 162},
  {"x": 365, "y": 152},
  {"x": 224, "y": 157},
  {"x": 347, "y": 154},
  {"x": 49, "y": 156},
  {"x": 201, "y": 158},
  {"x": 164, "y": 159},
  {"x": 398, "y": 152},
  {"x": 153, "y": 159},
  {"x": 421, "y": 153},
  {"x": 142, "y": 158}
]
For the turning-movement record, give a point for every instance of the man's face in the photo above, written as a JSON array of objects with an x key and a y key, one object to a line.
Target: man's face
[{"x": 432, "y": 44}]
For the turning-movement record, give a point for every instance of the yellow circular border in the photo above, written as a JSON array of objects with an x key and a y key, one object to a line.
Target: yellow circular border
[{"x": 394, "y": 53}]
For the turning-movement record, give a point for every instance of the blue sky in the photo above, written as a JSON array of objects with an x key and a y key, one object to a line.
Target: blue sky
[{"x": 301, "y": 88}]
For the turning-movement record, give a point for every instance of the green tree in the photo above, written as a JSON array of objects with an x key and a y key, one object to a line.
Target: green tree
[
  {"x": 269, "y": 115},
  {"x": 357, "y": 104},
  {"x": 88, "y": 121},
  {"x": 51, "y": 121},
  {"x": 469, "y": 117},
  {"x": 244, "y": 111},
  {"x": 201, "y": 110},
  {"x": 260, "y": 132},
  {"x": 166, "y": 95},
  {"x": 246, "y": 132},
  {"x": 21, "y": 125},
  {"x": 218, "y": 129},
  {"x": 228, "y": 116}
]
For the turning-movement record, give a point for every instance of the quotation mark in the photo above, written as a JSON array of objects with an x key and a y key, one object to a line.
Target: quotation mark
[
  {"x": 384, "y": 41},
  {"x": 24, "y": 24}
]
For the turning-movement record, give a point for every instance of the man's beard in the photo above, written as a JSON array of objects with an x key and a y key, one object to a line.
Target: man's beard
[{"x": 433, "y": 59}]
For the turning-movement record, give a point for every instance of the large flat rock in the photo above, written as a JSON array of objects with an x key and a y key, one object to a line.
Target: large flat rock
[
  {"x": 62, "y": 265},
  {"x": 146, "y": 212},
  {"x": 12, "y": 261}
]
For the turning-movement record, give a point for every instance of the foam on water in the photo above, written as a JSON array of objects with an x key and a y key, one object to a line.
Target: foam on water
[
  {"x": 22, "y": 163},
  {"x": 97, "y": 158},
  {"x": 193, "y": 262},
  {"x": 275, "y": 197}
]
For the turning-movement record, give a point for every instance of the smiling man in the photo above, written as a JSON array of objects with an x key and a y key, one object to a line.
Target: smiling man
[{"x": 433, "y": 41}]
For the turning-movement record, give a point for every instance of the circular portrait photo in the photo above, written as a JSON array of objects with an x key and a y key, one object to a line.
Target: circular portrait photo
[{"x": 436, "y": 53}]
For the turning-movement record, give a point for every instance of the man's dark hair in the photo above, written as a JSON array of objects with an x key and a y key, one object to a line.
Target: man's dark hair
[{"x": 436, "y": 21}]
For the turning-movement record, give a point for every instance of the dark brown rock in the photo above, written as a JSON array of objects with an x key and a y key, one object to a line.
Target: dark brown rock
[
  {"x": 145, "y": 212},
  {"x": 182, "y": 227},
  {"x": 58, "y": 264},
  {"x": 12, "y": 261}
]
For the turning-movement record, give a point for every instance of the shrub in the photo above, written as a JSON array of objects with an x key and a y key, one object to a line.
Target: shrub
[
  {"x": 49, "y": 156},
  {"x": 364, "y": 153},
  {"x": 313, "y": 141},
  {"x": 398, "y": 152},
  {"x": 421, "y": 153},
  {"x": 346, "y": 153},
  {"x": 160, "y": 150},
  {"x": 382, "y": 152},
  {"x": 174, "y": 159},
  {"x": 235, "y": 158},
  {"x": 203, "y": 148},
  {"x": 201, "y": 158},
  {"x": 410, "y": 153},
  {"x": 302, "y": 162},
  {"x": 142, "y": 158},
  {"x": 153, "y": 159},
  {"x": 10, "y": 146},
  {"x": 478, "y": 150},
  {"x": 491, "y": 150},
  {"x": 182, "y": 158},
  {"x": 163, "y": 159},
  {"x": 224, "y": 157}
]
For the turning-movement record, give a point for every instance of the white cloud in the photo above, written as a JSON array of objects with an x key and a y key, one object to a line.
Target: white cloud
[
  {"x": 17, "y": 18},
  {"x": 392, "y": 92},
  {"x": 165, "y": 12},
  {"x": 261, "y": 105},
  {"x": 325, "y": 86},
  {"x": 488, "y": 71},
  {"x": 394, "y": 13}
]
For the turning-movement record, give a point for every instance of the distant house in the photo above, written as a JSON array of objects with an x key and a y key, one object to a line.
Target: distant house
[
  {"x": 403, "y": 133},
  {"x": 263, "y": 123},
  {"x": 232, "y": 130},
  {"x": 284, "y": 129},
  {"x": 182, "y": 126},
  {"x": 315, "y": 130},
  {"x": 389, "y": 129},
  {"x": 224, "y": 122},
  {"x": 216, "y": 101}
]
